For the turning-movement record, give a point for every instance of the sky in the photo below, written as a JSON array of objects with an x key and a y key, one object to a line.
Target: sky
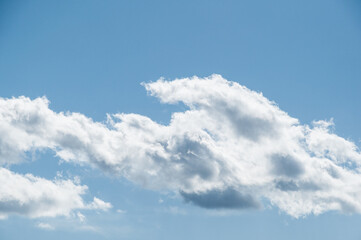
[{"x": 180, "y": 119}]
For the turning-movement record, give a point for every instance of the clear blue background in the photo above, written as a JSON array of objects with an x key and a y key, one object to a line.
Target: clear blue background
[{"x": 91, "y": 56}]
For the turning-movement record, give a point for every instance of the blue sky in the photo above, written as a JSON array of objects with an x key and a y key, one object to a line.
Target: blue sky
[{"x": 90, "y": 57}]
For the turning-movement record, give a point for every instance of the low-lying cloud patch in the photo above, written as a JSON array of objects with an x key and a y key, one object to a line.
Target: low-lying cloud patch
[
  {"x": 230, "y": 149},
  {"x": 34, "y": 197}
]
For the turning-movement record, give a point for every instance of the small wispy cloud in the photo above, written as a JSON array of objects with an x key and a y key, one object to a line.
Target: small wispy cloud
[
  {"x": 99, "y": 204},
  {"x": 80, "y": 216},
  {"x": 45, "y": 226},
  {"x": 121, "y": 211}
]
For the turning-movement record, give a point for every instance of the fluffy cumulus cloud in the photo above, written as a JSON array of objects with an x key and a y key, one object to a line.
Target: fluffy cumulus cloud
[
  {"x": 232, "y": 148},
  {"x": 34, "y": 197}
]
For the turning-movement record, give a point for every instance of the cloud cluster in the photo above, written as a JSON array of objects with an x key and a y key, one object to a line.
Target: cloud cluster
[
  {"x": 34, "y": 197},
  {"x": 232, "y": 148}
]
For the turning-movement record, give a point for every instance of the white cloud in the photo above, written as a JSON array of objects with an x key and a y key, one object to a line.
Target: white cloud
[
  {"x": 80, "y": 216},
  {"x": 232, "y": 148},
  {"x": 121, "y": 211},
  {"x": 45, "y": 226},
  {"x": 35, "y": 197},
  {"x": 100, "y": 204}
]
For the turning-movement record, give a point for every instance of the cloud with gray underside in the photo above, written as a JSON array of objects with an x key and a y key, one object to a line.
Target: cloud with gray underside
[{"x": 231, "y": 149}]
